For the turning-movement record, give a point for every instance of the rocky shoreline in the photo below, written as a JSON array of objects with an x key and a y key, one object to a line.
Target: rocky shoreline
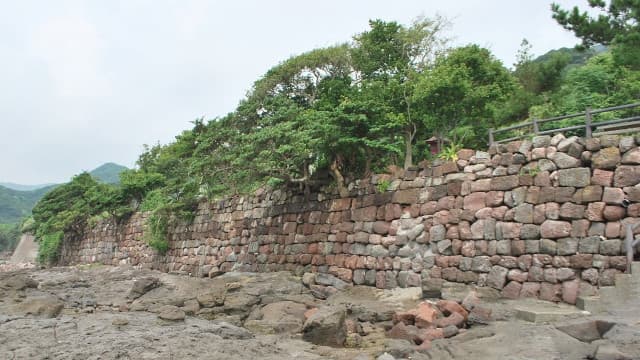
[{"x": 104, "y": 312}]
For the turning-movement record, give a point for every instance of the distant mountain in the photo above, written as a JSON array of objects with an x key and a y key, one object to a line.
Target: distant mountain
[
  {"x": 16, "y": 201},
  {"x": 108, "y": 173},
  {"x": 577, "y": 57},
  {"x": 15, "y": 205},
  {"x": 21, "y": 187}
]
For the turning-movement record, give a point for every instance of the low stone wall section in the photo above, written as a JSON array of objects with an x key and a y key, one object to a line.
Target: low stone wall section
[{"x": 537, "y": 218}]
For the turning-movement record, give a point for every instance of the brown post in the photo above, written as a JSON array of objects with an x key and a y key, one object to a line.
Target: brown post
[
  {"x": 535, "y": 126},
  {"x": 490, "y": 136},
  {"x": 587, "y": 123}
]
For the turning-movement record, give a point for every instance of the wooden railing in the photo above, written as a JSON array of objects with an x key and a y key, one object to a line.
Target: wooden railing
[{"x": 615, "y": 126}]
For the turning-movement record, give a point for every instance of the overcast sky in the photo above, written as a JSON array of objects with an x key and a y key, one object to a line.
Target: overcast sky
[{"x": 88, "y": 82}]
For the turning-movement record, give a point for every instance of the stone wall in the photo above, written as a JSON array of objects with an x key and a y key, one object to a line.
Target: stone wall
[{"x": 541, "y": 218}]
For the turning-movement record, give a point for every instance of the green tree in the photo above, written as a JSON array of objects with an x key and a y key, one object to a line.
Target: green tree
[
  {"x": 394, "y": 56},
  {"x": 617, "y": 24},
  {"x": 461, "y": 95}
]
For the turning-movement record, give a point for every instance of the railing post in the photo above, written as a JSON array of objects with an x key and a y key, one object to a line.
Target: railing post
[
  {"x": 536, "y": 130},
  {"x": 587, "y": 120},
  {"x": 490, "y": 136}
]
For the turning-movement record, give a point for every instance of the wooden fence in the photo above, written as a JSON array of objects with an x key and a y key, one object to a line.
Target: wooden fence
[{"x": 591, "y": 128}]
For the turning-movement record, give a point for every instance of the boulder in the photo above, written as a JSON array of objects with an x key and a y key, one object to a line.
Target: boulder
[
  {"x": 171, "y": 313},
  {"x": 326, "y": 327},
  {"x": 142, "y": 286},
  {"x": 47, "y": 306}
]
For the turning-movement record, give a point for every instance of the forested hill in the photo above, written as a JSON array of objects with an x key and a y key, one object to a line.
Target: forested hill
[
  {"x": 108, "y": 173},
  {"x": 17, "y": 204}
]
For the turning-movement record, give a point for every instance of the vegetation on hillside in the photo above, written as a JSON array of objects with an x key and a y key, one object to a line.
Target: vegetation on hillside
[
  {"x": 335, "y": 114},
  {"x": 15, "y": 206}
]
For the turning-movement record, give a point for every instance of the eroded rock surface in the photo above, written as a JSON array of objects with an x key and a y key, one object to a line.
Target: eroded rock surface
[{"x": 101, "y": 312}]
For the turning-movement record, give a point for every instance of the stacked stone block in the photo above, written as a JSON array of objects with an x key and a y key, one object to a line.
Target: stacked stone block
[{"x": 536, "y": 218}]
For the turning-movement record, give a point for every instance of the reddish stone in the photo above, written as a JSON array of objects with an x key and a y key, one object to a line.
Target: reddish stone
[
  {"x": 409, "y": 196},
  {"x": 551, "y": 229},
  {"x": 453, "y": 319},
  {"x": 571, "y": 211},
  {"x": 431, "y": 334},
  {"x": 570, "y": 291},
  {"x": 512, "y": 290},
  {"x": 407, "y": 317},
  {"x": 618, "y": 262},
  {"x": 612, "y": 230},
  {"x": 509, "y": 230},
  {"x": 499, "y": 212},
  {"x": 402, "y": 331},
  {"x": 626, "y": 175},
  {"x": 530, "y": 289},
  {"x": 595, "y": 211},
  {"x": 602, "y": 177},
  {"x": 613, "y": 213},
  {"x": 633, "y": 210},
  {"x": 517, "y": 275},
  {"x": 309, "y": 313},
  {"x": 613, "y": 195},
  {"x": 550, "y": 292},
  {"x": 425, "y": 315},
  {"x": 475, "y": 201},
  {"x": 505, "y": 182},
  {"x": 579, "y": 228},
  {"x": 340, "y": 204},
  {"x": 480, "y": 315},
  {"x": 552, "y": 211},
  {"x": 581, "y": 261},
  {"x": 449, "y": 306},
  {"x": 392, "y": 212}
]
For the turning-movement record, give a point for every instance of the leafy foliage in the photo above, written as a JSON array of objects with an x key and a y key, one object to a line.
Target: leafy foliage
[{"x": 9, "y": 236}]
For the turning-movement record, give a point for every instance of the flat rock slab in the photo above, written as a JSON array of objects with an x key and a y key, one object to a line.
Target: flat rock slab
[
  {"x": 545, "y": 312},
  {"x": 587, "y": 331}
]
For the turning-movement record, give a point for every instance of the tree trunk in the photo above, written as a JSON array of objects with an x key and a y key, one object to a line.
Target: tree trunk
[
  {"x": 335, "y": 172},
  {"x": 408, "y": 148}
]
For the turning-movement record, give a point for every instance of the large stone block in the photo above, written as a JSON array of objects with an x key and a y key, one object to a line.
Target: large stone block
[
  {"x": 602, "y": 177},
  {"x": 497, "y": 277},
  {"x": 571, "y": 211},
  {"x": 552, "y": 229},
  {"x": 607, "y": 158},
  {"x": 409, "y": 196},
  {"x": 626, "y": 175},
  {"x": 575, "y": 177},
  {"x": 523, "y": 213},
  {"x": 564, "y": 161},
  {"x": 505, "y": 182},
  {"x": 631, "y": 157},
  {"x": 567, "y": 246},
  {"x": 475, "y": 201}
]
